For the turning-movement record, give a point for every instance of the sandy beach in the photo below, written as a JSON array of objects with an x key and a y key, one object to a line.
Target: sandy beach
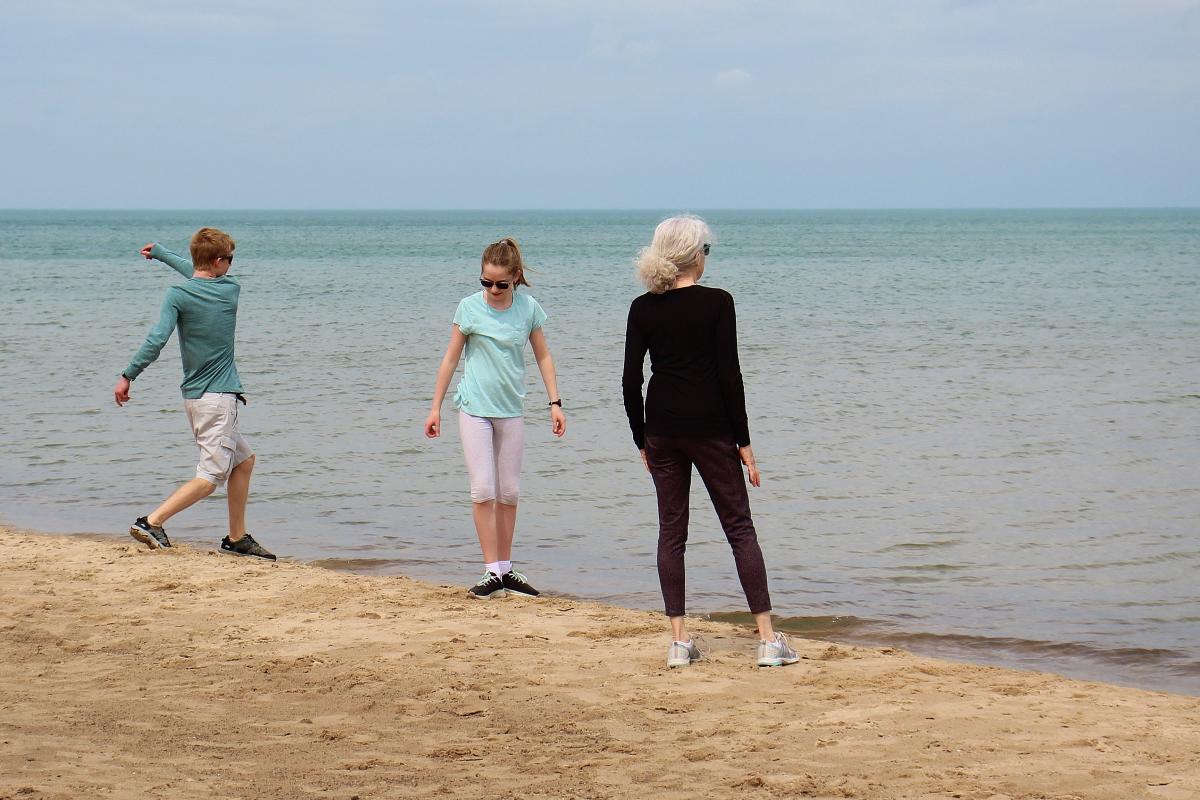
[{"x": 126, "y": 673}]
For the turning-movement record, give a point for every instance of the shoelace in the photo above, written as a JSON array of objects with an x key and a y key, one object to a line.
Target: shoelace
[
  {"x": 696, "y": 648},
  {"x": 518, "y": 576},
  {"x": 487, "y": 577},
  {"x": 781, "y": 642}
]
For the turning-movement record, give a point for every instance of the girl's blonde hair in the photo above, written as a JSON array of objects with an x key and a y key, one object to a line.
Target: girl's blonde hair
[
  {"x": 506, "y": 255},
  {"x": 675, "y": 249}
]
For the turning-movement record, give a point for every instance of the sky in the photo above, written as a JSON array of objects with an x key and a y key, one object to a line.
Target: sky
[{"x": 553, "y": 104}]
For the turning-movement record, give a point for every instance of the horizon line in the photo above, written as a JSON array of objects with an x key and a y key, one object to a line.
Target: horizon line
[{"x": 515, "y": 209}]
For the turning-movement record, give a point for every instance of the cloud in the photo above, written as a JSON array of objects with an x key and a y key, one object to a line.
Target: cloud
[
  {"x": 607, "y": 42},
  {"x": 732, "y": 77}
]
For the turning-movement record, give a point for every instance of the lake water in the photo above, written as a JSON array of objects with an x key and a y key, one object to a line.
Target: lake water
[{"x": 979, "y": 431}]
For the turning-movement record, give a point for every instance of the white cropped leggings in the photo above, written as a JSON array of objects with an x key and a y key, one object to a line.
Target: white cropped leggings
[{"x": 493, "y": 447}]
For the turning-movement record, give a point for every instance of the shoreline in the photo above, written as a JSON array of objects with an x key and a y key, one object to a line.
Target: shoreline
[
  {"x": 184, "y": 673},
  {"x": 1070, "y": 659}
]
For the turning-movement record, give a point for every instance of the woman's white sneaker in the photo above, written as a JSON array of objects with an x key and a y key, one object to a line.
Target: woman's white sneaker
[
  {"x": 776, "y": 653},
  {"x": 681, "y": 655}
]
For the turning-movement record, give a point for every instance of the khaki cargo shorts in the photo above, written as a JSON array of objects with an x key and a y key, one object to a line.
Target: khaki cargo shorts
[{"x": 213, "y": 417}]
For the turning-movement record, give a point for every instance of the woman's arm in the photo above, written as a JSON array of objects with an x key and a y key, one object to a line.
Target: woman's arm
[
  {"x": 729, "y": 372},
  {"x": 545, "y": 362},
  {"x": 458, "y": 340},
  {"x": 729, "y": 375},
  {"x": 631, "y": 382}
]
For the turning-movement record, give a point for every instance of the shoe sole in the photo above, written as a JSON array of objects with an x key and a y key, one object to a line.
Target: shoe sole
[
  {"x": 496, "y": 594},
  {"x": 244, "y": 555},
  {"x": 522, "y": 594},
  {"x": 779, "y": 662},
  {"x": 674, "y": 664},
  {"x": 144, "y": 538}
]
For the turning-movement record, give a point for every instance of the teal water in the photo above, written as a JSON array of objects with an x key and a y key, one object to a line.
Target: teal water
[{"x": 979, "y": 430}]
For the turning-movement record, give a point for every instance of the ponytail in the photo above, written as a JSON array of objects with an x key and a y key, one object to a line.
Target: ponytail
[{"x": 506, "y": 255}]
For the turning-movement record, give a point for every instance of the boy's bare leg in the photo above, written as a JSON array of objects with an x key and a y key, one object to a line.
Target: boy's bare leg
[
  {"x": 185, "y": 496},
  {"x": 506, "y": 523},
  {"x": 238, "y": 489},
  {"x": 485, "y": 526}
]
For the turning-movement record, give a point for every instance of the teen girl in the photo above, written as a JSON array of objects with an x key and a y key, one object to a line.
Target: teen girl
[{"x": 493, "y": 326}]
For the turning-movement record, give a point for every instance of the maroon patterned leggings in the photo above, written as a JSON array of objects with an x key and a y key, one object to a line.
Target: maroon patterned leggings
[{"x": 716, "y": 459}]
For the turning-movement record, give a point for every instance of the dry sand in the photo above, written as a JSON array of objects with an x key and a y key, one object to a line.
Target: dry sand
[{"x": 126, "y": 673}]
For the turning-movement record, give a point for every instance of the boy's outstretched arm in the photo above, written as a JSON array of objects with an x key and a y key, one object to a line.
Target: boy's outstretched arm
[
  {"x": 149, "y": 350},
  {"x": 155, "y": 251}
]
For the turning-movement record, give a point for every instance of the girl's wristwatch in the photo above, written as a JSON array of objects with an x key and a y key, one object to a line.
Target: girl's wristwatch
[{"x": 557, "y": 402}]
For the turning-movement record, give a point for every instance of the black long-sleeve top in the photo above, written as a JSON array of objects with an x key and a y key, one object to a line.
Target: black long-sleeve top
[{"x": 696, "y": 380}]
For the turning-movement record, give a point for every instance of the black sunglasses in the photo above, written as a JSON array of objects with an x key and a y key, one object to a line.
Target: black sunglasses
[
  {"x": 227, "y": 258},
  {"x": 706, "y": 248},
  {"x": 501, "y": 285}
]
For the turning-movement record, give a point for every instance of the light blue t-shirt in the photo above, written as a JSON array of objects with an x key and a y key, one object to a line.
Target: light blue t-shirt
[{"x": 493, "y": 381}]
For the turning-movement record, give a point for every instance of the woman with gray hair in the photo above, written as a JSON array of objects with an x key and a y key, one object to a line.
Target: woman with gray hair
[{"x": 694, "y": 414}]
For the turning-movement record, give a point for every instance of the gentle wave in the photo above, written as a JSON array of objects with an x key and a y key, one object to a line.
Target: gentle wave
[{"x": 1179, "y": 669}]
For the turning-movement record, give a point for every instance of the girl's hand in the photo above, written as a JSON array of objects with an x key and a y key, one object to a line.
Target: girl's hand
[
  {"x": 645, "y": 461},
  {"x": 146, "y": 251},
  {"x": 433, "y": 424},
  {"x": 747, "y": 455},
  {"x": 558, "y": 421}
]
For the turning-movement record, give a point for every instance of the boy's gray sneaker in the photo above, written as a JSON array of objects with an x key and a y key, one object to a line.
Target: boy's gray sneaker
[
  {"x": 776, "y": 653},
  {"x": 246, "y": 546},
  {"x": 490, "y": 587},
  {"x": 681, "y": 655},
  {"x": 153, "y": 536}
]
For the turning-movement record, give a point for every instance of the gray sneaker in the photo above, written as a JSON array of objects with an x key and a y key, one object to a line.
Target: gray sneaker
[
  {"x": 776, "y": 653},
  {"x": 681, "y": 655},
  {"x": 153, "y": 536}
]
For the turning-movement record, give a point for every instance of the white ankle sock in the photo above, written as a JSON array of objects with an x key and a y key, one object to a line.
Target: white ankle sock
[
  {"x": 493, "y": 567},
  {"x": 505, "y": 567}
]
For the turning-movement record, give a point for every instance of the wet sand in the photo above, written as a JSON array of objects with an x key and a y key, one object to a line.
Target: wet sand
[{"x": 126, "y": 673}]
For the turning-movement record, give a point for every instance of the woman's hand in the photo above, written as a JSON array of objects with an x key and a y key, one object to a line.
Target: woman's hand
[
  {"x": 558, "y": 421},
  {"x": 645, "y": 461},
  {"x": 747, "y": 455},
  {"x": 433, "y": 424}
]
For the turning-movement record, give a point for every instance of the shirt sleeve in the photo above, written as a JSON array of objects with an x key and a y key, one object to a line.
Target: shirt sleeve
[
  {"x": 632, "y": 377},
  {"x": 158, "y": 336},
  {"x": 729, "y": 372},
  {"x": 537, "y": 315},
  {"x": 462, "y": 317},
  {"x": 175, "y": 262}
]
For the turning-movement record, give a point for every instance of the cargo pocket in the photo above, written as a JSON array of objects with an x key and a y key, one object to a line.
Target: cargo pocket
[{"x": 226, "y": 448}]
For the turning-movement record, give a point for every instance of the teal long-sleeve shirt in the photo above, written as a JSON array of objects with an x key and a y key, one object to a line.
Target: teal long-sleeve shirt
[{"x": 205, "y": 311}]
